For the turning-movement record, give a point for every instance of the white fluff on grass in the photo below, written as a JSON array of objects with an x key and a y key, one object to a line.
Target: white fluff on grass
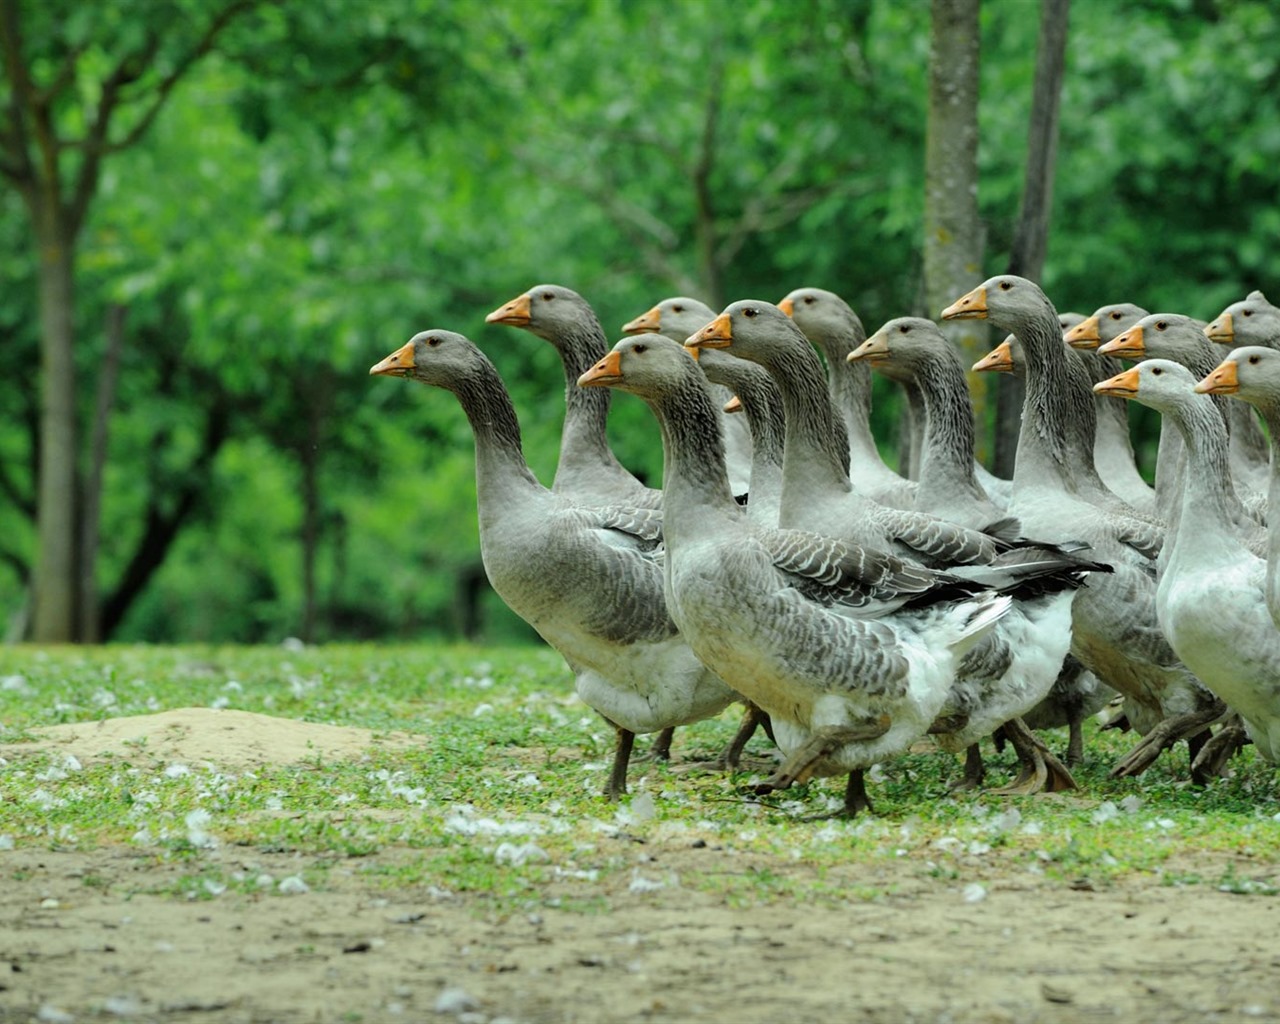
[
  {"x": 975, "y": 892},
  {"x": 293, "y": 886},
  {"x": 525, "y": 853},
  {"x": 197, "y": 823},
  {"x": 641, "y": 884}
]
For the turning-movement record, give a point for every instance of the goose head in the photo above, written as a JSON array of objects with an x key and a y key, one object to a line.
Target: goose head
[
  {"x": 1160, "y": 335},
  {"x": 677, "y": 318},
  {"x": 550, "y": 311},
  {"x": 821, "y": 314},
  {"x": 1106, "y": 324},
  {"x": 901, "y": 346},
  {"x": 751, "y": 329},
  {"x": 646, "y": 365},
  {"x": 1161, "y": 384},
  {"x": 1007, "y": 357},
  {"x": 1252, "y": 321},
  {"x": 1251, "y": 373},
  {"x": 1008, "y": 301},
  {"x": 433, "y": 357}
]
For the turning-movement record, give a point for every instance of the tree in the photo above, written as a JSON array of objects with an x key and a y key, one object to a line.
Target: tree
[
  {"x": 1031, "y": 237},
  {"x": 80, "y": 84},
  {"x": 953, "y": 231}
]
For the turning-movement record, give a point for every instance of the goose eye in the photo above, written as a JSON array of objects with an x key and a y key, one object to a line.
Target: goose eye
[
  {"x": 1115, "y": 315},
  {"x": 749, "y": 311},
  {"x": 640, "y": 348},
  {"x": 548, "y": 296},
  {"x": 1254, "y": 360},
  {"x": 1161, "y": 325},
  {"x": 433, "y": 341},
  {"x": 1005, "y": 285},
  {"x": 808, "y": 300},
  {"x": 1246, "y": 312},
  {"x": 677, "y": 309},
  {"x": 902, "y": 329},
  {"x": 1156, "y": 371}
]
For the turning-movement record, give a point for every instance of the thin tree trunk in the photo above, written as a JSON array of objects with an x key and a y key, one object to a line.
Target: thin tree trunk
[
  {"x": 54, "y": 582},
  {"x": 1031, "y": 238},
  {"x": 954, "y": 236},
  {"x": 163, "y": 527},
  {"x": 91, "y": 506},
  {"x": 705, "y": 235},
  {"x": 310, "y": 459}
]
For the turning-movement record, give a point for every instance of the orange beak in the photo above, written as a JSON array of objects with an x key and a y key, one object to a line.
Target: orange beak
[
  {"x": 1222, "y": 330},
  {"x": 1128, "y": 346},
  {"x": 398, "y": 364},
  {"x": 998, "y": 360},
  {"x": 607, "y": 371},
  {"x": 733, "y": 405},
  {"x": 645, "y": 323},
  {"x": 1122, "y": 385},
  {"x": 1223, "y": 380},
  {"x": 717, "y": 334},
  {"x": 516, "y": 313},
  {"x": 874, "y": 348},
  {"x": 1084, "y": 334},
  {"x": 972, "y": 306},
  {"x": 788, "y": 307}
]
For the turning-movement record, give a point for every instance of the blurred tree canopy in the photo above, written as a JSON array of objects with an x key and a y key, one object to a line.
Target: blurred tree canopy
[{"x": 320, "y": 180}]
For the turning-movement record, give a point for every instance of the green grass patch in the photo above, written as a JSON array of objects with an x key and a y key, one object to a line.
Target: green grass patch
[{"x": 497, "y": 795}]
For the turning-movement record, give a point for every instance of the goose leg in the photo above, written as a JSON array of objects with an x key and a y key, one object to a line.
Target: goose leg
[
  {"x": 1211, "y": 761},
  {"x": 617, "y": 785},
  {"x": 974, "y": 770},
  {"x": 1075, "y": 742},
  {"x": 1166, "y": 733},
  {"x": 731, "y": 756},
  {"x": 855, "y": 795},
  {"x": 1041, "y": 770},
  {"x": 661, "y": 746},
  {"x": 804, "y": 760}
]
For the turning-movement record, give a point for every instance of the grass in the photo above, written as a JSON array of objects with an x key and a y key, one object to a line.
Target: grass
[{"x": 500, "y": 797}]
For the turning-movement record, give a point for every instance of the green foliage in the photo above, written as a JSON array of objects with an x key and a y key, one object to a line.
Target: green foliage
[{"x": 334, "y": 177}]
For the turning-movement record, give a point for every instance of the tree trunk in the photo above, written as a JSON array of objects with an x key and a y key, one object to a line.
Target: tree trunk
[
  {"x": 91, "y": 506},
  {"x": 954, "y": 237},
  {"x": 309, "y": 457},
  {"x": 1031, "y": 238},
  {"x": 54, "y": 582},
  {"x": 162, "y": 527}
]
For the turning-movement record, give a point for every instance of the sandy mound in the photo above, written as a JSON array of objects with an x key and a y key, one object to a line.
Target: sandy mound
[{"x": 229, "y": 739}]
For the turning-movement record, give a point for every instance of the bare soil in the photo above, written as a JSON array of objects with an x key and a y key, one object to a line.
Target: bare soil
[{"x": 81, "y": 940}]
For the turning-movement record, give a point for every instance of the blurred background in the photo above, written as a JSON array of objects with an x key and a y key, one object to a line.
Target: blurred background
[{"x": 215, "y": 215}]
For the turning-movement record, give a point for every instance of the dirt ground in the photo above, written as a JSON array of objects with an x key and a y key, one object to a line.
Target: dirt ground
[{"x": 1029, "y": 951}]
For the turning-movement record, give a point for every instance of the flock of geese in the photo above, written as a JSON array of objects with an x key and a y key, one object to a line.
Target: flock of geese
[{"x": 853, "y": 611}]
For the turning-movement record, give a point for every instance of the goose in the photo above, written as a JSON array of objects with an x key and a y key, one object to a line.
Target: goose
[
  {"x": 677, "y": 318},
  {"x": 1251, "y": 373},
  {"x": 1251, "y": 321},
  {"x": 1058, "y": 495},
  {"x": 1112, "y": 446},
  {"x": 1210, "y": 598},
  {"x": 914, "y": 349},
  {"x": 756, "y": 397},
  {"x": 588, "y": 579},
  {"x": 817, "y": 494},
  {"x": 835, "y": 329},
  {"x": 850, "y": 651},
  {"x": 587, "y": 469},
  {"x": 1182, "y": 339},
  {"x": 760, "y": 485},
  {"x": 818, "y": 497}
]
